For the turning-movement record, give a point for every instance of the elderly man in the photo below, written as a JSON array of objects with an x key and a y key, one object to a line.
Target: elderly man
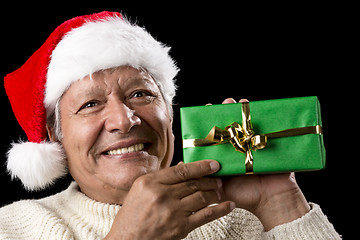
[{"x": 95, "y": 100}]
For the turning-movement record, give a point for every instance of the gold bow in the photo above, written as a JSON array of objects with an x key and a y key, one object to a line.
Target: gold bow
[{"x": 243, "y": 137}]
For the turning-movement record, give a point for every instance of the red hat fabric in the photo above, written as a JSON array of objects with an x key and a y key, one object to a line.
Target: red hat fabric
[
  {"x": 27, "y": 96},
  {"x": 71, "y": 52}
]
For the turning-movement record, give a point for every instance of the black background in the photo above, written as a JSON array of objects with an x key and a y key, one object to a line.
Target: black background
[{"x": 256, "y": 52}]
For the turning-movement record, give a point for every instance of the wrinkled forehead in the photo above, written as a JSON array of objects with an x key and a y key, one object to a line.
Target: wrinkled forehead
[
  {"x": 118, "y": 79},
  {"x": 122, "y": 73}
]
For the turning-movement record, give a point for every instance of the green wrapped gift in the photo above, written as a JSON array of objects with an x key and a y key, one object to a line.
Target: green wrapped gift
[{"x": 272, "y": 136}]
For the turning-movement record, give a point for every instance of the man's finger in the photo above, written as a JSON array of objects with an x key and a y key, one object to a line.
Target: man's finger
[
  {"x": 199, "y": 200},
  {"x": 186, "y": 188},
  {"x": 188, "y": 171},
  {"x": 229, "y": 100},
  {"x": 209, "y": 214}
]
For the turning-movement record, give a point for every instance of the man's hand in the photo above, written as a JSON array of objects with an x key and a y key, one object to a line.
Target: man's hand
[
  {"x": 170, "y": 203},
  {"x": 274, "y": 199}
]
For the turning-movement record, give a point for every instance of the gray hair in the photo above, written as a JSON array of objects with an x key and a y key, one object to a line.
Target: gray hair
[{"x": 54, "y": 121}]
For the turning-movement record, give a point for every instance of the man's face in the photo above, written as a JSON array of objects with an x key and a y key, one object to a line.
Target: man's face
[{"x": 116, "y": 127}]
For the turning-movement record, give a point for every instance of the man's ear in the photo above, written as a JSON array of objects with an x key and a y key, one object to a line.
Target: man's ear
[{"x": 51, "y": 134}]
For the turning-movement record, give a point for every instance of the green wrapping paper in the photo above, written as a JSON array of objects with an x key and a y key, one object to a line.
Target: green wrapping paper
[{"x": 281, "y": 154}]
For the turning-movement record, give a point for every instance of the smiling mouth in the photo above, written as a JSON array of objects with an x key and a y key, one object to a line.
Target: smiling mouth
[{"x": 130, "y": 149}]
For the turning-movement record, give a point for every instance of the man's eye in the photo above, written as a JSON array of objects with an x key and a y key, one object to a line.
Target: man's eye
[
  {"x": 139, "y": 94},
  {"x": 87, "y": 105},
  {"x": 141, "y": 97},
  {"x": 90, "y": 104}
]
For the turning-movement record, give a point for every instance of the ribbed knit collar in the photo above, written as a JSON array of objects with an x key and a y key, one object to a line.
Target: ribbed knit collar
[{"x": 99, "y": 216}]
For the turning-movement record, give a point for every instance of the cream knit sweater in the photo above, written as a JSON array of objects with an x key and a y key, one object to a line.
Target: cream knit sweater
[{"x": 72, "y": 215}]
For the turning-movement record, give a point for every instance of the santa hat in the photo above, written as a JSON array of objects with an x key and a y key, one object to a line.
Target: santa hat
[{"x": 78, "y": 47}]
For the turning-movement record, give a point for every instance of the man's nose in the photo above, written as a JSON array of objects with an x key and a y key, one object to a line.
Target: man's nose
[{"x": 120, "y": 118}]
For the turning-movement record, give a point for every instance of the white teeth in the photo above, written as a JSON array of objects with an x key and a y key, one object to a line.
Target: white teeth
[{"x": 132, "y": 148}]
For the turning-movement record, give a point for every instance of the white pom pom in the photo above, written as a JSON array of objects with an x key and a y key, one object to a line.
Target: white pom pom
[{"x": 37, "y": 165}]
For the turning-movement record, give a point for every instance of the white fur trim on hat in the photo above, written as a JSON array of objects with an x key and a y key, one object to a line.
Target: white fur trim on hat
[
  {"x": 105, "y": 44},
  {"x": 37, "y": 165}
]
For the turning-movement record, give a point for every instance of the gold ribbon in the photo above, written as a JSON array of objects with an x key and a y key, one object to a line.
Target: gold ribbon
[{"x": 243, "y": 137}]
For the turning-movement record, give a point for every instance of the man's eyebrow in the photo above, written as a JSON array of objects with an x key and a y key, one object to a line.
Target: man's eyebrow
[
  {"x": 138, "y": 80},
  {"x": 93, "y": 91}
]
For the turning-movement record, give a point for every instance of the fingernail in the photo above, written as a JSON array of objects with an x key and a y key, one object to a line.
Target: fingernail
[
  {"x": 214, "y": 166},
  {"x": 232, "y": 206},
  {"x": 218, "y": 195},
  {"x": 219, "y": 182}
]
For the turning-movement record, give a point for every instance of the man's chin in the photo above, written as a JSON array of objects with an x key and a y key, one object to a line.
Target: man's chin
[{"x": 124, "y": 176}]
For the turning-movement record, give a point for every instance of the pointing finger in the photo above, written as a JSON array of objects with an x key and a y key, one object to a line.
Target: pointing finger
[{"x": 185, "y": 172}]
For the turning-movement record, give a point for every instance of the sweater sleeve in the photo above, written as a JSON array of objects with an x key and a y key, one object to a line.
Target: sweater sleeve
[{"x": 314, "y": 225}]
